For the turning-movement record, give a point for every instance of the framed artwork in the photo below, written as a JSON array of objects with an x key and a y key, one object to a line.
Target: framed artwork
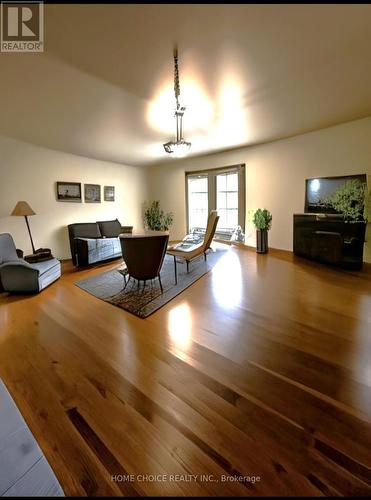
[
  {"x": 92, "y": 193},
  {"x": 69, "y": 191},
  {"x": 109, "y": 193}
]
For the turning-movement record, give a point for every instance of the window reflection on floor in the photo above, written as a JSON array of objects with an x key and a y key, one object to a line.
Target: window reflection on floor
[
  {"x": 3, "y": 319},
  {"x": 180, "y": 327},
  {"x": 227, "y": 281}
]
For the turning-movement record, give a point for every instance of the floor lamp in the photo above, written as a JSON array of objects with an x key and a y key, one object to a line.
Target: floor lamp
[{"x": 22, "y": 208}]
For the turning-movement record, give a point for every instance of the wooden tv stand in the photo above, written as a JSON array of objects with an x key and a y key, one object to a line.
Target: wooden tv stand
[{"x": 329, "y": 239}]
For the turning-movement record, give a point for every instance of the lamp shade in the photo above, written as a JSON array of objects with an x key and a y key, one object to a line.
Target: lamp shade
[{"x": 22, "y": 208}]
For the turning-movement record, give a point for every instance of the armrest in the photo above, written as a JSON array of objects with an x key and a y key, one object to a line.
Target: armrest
[
  {"x": 19, "y": 276},
  {"x": 126, "y": 229},
  {"x": 80, "y": 256},
  {"x": 83, "y": 238},
  {"x": 17, "y": 264}
]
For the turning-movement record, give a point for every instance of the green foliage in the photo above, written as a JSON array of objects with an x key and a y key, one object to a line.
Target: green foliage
[
  {"x": 262, "y": 219},
  {"x": 156, "y": 219},
  {"x": 350, "y": 200}
]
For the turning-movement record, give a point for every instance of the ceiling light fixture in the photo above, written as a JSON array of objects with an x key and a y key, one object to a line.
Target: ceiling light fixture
[{"x": 180, "y": 147}]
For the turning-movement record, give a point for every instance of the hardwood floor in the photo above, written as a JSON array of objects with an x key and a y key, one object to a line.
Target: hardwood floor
[{"x": 262, "y": 368}]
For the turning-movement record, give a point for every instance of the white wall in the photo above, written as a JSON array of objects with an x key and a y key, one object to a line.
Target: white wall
[
  {"x": 275, "y": 175},
  {"x": 29, "y": 173}
]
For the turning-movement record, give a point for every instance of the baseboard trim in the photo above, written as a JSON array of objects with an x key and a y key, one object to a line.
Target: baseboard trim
[
  {"x": 67, "y": 265},
  {"x": 289, "y": 255}
]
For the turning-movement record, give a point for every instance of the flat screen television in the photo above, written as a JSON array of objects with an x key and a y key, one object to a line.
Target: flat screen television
[{"x": 319, "y": 188}]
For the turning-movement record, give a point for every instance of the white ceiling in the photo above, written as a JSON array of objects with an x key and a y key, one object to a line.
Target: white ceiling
[{"x": 248, "y": 73}]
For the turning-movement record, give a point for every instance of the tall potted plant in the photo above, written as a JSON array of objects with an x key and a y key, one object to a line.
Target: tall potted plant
[
  {"x": 263, "y": 222},
  {"x": 156, "y": 219}
]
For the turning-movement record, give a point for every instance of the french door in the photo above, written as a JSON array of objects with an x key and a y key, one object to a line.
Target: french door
[{"x": 216, "y": 189}]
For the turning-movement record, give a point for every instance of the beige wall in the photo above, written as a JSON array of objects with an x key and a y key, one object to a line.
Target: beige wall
[
  {"x": 275, "y": 175},
  {"x": 29, "y": 173}
]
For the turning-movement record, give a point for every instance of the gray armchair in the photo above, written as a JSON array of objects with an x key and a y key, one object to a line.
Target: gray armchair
[{"x": 17, "y": 275}]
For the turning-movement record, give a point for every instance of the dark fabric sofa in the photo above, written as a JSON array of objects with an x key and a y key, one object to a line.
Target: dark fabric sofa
[{"x": 93, "y": 242}]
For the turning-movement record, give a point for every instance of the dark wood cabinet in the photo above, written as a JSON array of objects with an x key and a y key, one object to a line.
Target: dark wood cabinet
[{"x": 329, "y": 239}]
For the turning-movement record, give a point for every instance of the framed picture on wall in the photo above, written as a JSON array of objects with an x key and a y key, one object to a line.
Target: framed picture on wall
[
  {"x": 109, "y": 193},
  {"x": 92, "y": 193},
  {"x": 69, "y": 191}
]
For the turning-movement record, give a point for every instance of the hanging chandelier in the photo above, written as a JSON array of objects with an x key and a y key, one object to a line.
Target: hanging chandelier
[{"x": 180, "y": 147}]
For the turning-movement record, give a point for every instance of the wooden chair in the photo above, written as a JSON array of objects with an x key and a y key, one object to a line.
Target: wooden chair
[{"x": 193, "y": 251}]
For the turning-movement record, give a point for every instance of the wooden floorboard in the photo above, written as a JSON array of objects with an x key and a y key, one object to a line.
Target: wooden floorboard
[{"x": 260, "y": 368}]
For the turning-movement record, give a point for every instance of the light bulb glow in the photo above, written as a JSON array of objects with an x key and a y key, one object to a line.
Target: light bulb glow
[{"x": 315, "y": 185}]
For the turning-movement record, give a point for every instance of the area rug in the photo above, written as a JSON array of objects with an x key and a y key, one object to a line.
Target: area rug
[{"x": 144, "y": 301}]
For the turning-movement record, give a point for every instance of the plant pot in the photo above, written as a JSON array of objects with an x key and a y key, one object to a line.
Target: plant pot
[{"x": 262, "y": 241}]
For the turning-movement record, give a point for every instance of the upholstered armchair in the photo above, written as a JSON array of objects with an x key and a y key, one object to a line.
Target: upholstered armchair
[
  {"x": 144, "y": 255},
  {"x": 19, "y": 276}
]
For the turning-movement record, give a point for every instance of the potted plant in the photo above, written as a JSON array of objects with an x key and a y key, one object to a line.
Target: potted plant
[
  {"x": 350, "y": 201},
  {"x": 156, "y": 219},
  {"x": 263, "y": 221}
]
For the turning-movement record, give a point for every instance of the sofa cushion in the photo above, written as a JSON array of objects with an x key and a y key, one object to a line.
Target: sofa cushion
[
  {"x": 110, "y": 228},
  {"x": 7, "y": 248},
  {"x": 45, "y": 266},
  {"x": 85, "y": 230}
]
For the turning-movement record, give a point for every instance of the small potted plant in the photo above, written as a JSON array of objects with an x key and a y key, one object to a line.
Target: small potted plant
[
  {"x": 263, "y": 222},
  {"x": 156, "y": 219}
]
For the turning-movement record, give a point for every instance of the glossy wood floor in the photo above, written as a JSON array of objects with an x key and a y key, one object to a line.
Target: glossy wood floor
[{"x": 261, "y": 368}]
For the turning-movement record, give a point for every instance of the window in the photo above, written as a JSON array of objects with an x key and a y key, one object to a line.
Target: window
[
  {"x": 197, "y": 201},
  {"x": 227, "y": 200},
  {"x": 216, "y": 189}
]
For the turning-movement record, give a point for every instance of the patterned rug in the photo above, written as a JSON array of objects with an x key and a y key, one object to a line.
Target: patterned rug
[{"x": 143, "y": 301}]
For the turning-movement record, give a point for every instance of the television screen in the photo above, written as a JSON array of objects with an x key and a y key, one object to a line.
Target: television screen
[{"x": 319, "y": 189}]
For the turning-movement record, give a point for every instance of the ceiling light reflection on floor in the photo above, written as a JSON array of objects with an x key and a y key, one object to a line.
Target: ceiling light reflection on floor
[{"x": 180, "y": 327}]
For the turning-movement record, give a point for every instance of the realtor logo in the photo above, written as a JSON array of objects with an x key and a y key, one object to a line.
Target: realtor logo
[{"x": 22, "y": 26}]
